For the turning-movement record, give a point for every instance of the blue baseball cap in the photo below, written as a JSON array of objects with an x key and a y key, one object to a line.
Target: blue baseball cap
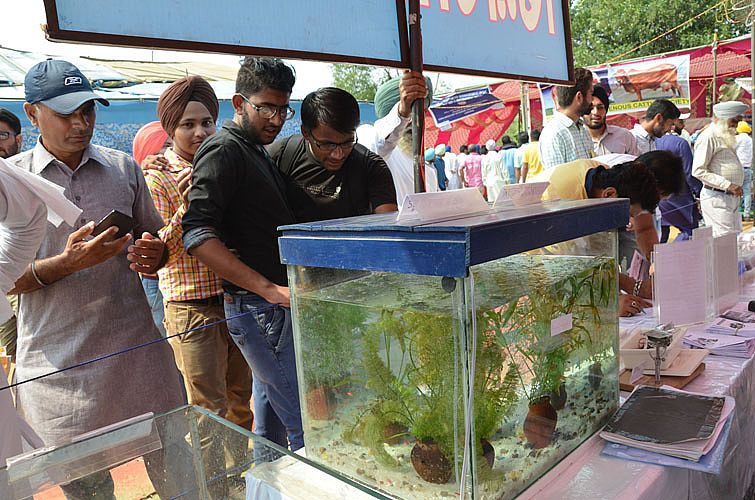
[{"x": 60, "y": 86}]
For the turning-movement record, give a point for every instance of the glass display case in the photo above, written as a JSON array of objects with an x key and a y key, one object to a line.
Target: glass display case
[
  {"x": 463, "y": 357},
  {"x": 187, "y": 453}
]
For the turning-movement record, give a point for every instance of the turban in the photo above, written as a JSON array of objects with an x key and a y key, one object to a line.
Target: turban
[
  {"x": 729, "y": 109},
  {"x": 388, "y": 95},
  {"x": 149, "y": 140},
  {"x": 440, "y": 150},
  {"x": 429, "y": 154},
  {"x": 599, "y": 92},
  {"x": 490, "y": 145},
  {"x": 743, "y": 128},
  {"x": 173, "y": 101}
]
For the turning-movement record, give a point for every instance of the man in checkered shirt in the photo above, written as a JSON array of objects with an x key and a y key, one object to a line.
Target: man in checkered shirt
[{"x": 565, "y": 138}]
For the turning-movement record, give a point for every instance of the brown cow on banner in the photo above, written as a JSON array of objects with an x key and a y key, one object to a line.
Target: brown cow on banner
[{"x": 662, "y": 76}]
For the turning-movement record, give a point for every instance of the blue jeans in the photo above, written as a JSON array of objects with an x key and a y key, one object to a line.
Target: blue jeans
[
  {"x": 747, "y": 192},
  {"x": 265, "y": 338},
  {"x": 155, "y": 300}
]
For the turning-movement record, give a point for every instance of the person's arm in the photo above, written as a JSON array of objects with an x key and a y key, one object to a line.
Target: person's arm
[
  {"x": 390, "y": 128},
  {"x": 644, "y": 231},
  {"x": 704, "y": 149},
  {"x": 79, "y": 254},
  {"x": 171, "y": 213},
  {"x": 148, "y": 253},
  {"x": 215, "y": 255},
  {"x": 627, "y": 284}
]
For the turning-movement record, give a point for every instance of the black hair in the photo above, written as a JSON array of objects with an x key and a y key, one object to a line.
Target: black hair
[
  {"x": 663, "y": 107},
  {"x": 599, "y": 92},
  {"x": 330, "y": 106},
  {"x": 11, "y": 120},
  {"x": 631, "y": 180},
  {"x": 523, "y": 138},
  {"x": 667, "y": 168},
  {"x": 505, "y": 139},
  {"x": 483, "y": 150},
  {"x": 566, "y": 95},
  {"x": 536, "y": 135},
  {"x": 258, "y": 73},
  {"x": 463, "y": 148}
]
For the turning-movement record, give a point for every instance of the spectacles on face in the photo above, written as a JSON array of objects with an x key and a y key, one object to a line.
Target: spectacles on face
[
  {"x": 268, "y": 112},
  {"x": 330, "y": 147},
  {"x": 4, "y": 136}
]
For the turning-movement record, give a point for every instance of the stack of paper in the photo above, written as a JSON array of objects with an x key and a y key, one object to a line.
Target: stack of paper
[
  {"x": 725, "y": 326},
  {"x": 721, "y": 345},
  {"x": 670, "y": 422}
]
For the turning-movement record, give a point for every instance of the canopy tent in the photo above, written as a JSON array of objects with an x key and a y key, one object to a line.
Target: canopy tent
[{"x": 732, "y": 61}]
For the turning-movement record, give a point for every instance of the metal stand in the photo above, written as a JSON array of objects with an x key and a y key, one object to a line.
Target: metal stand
[{"x": 660, "y": 339}]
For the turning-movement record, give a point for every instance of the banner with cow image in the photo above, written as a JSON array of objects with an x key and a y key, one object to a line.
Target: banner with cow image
[{"x": 632, "y": 87}]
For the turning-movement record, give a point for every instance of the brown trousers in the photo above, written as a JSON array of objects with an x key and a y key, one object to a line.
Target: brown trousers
[{"x": 215, "y": 373}]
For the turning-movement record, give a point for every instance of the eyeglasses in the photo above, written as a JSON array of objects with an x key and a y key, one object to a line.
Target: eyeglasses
[
  {"x": 268, "y": 112},
  {"x": 4, "y": 136},
  {"x": 330, "y": 147}
]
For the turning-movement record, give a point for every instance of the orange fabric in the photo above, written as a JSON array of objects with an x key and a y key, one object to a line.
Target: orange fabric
[{"x": 149, "y": 140}]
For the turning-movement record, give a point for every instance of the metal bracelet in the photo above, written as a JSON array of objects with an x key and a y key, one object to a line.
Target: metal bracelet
[
  {"x": 36, "y": 276},
  {"x": 636, "y": 289}
]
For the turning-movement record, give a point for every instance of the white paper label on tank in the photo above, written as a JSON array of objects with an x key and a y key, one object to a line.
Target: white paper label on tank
[
  {"x": 561, "y": 324},
  {"x": 521, "y": 194},
  {"x": 432, "y": 207}
]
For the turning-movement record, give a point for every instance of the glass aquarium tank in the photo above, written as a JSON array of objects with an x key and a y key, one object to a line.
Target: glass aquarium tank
[{"x": 457, "y": 358}]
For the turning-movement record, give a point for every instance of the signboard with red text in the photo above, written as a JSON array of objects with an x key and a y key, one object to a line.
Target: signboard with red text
[{"x": 518, "y": 39}]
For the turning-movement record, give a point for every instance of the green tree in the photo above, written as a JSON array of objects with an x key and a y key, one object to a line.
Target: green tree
[
  {"x": 603, "y": 29},
  {"x": 361, "y": 81}
]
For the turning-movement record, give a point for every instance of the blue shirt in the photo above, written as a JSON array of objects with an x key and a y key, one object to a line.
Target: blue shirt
[
  {"x": 440, "y": 167},
  {"x": 508, "y": 155},
  {"x": 679, "y": 210}
]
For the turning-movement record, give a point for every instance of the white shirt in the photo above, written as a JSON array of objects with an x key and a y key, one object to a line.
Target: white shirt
[
  {"x": 383, "y": 138},
  {"x": 744, "y": 150},
  {"x": 645, "y": 141},
  {"x": 24, "y": 199}
]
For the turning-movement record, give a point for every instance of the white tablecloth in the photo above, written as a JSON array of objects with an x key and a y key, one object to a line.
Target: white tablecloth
[{"x": 590, "y": 475}]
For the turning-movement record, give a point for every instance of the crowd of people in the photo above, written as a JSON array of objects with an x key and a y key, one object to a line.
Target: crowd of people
[{"x": 201, "y": 263}]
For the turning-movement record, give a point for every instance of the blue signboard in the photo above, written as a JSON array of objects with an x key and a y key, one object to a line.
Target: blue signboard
[
  {"x": 447, "y": 109},
  {"x": 517, "y": 39},
  {"x": 367, "y": 31}
]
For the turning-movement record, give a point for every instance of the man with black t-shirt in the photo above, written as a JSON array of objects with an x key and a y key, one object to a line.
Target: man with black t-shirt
[{"x": 329, "y": 175}]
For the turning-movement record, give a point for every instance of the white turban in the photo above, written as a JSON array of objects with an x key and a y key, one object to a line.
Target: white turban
[
  {"x": 490, "y": 145},
  {"x": 729, "y": 109}
]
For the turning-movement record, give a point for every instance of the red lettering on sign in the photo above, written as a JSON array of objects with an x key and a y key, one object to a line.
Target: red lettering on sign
[
  {"x": 466, "y": 6},
  {"x": 531, "y": 16},
  {"x": 492, "y": 11},
  {"x": 551, "y": 17},
  {"x": 512, "y": 9},
  {"x": 445, "y": 5},
  {"x": 531, "y": 11}
]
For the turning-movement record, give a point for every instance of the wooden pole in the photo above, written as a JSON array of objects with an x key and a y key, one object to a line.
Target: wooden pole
[
  {"x": 418, "y": 107},
  {"x": 714, "y": 50}
]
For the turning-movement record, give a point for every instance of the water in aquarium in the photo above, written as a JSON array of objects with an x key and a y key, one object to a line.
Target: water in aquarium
[{"x": 386, "y": 367}]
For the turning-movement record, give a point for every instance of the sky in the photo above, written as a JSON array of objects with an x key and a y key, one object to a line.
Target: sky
[{"x": 21, "y": 30}]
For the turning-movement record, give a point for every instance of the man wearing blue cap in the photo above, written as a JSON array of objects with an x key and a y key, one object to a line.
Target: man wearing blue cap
[
  {"x": 81, "y": 298},
  {"x": 716, "y": 164}
]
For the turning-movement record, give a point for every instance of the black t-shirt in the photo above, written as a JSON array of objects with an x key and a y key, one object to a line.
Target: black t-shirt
[{"x": 314, "y": 193}]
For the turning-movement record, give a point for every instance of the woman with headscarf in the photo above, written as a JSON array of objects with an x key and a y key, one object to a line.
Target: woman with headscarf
[
  {"x": 216, "y": 376},
  {"x": 149, "y": 144}
]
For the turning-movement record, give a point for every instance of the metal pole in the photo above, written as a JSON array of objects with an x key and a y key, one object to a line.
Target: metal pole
[
  {"x": 418, "y": 107},
  {"x": 525, "y": 102},
  {"x": 714, "y": 50},
  {"x": 752, "y": 71}
]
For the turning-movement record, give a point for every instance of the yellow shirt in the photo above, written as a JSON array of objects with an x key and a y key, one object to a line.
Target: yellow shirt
[
  {"x": 532, "y": 159},
  {"x": 567, "y": 181}
]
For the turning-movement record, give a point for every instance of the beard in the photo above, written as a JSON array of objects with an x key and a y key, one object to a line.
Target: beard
[
  {"x": 246, "y": 124},
  {"x": 10, "y": 151},
  {"x": 726, "y": 134},
  {"x": 594, "y": 126},
  {"x": 405, "y": 142}
]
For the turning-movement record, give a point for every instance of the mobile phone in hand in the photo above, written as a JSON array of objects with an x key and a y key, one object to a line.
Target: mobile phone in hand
[{"x": 123, "y": 222}]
